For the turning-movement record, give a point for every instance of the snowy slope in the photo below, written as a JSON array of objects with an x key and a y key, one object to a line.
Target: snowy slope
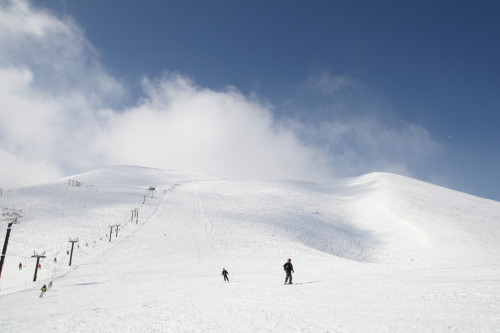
[{"x": 376, "y": 253}]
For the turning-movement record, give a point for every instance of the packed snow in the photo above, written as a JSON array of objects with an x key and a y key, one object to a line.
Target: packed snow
[{"x": 376, "y": 253}]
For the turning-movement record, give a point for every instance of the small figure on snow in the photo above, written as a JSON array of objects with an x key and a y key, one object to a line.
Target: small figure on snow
[
  {"x": 288, "y": 267},
  {"x": 44, "y": 289},
  {"x": 50, "y": 285},
  {"x": 225, "y": 273},
  {"x": 55, "y": 260},
  {"x": 20, "y": 265}
]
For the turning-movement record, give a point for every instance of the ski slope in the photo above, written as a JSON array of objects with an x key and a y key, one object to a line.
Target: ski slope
[{"x": 376, "y": 253}]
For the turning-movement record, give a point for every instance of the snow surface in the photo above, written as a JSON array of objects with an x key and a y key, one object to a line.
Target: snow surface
[{"x": 376, "y": 253}]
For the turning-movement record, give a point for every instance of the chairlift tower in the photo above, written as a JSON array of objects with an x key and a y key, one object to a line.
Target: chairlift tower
[
  {"x": 72, "y": 241},
  {"x": 11, "y": 216},
  {"x": 37, "y": 256}
]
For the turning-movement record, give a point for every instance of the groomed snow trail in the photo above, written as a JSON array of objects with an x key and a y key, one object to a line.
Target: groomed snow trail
[{"x": 163, "y": 274}]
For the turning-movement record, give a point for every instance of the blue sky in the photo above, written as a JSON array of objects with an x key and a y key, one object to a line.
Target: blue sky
[{"x": 338, "y": 88}]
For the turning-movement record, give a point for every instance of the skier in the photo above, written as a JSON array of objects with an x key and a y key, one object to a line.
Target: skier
[
  {"x": 43, "y": 289},
  {"x": 288, "y": 268},
  {"x": 225, "y": 273},
  {"x": 20, "y": 265},
  {"x": 50, "y": 285}
]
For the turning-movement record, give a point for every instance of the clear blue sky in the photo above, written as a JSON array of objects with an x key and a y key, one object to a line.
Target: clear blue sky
[{"x": 433, "y": 64}]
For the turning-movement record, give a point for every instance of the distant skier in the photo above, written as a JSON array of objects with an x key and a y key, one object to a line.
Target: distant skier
[
  {"x": 288, "y": 268},
  {"x": 44, "y": 289},
  {"x": 50, "y": 285},
  {"x": 20, "y": 265},
  {"x": 225, "y": 273}
]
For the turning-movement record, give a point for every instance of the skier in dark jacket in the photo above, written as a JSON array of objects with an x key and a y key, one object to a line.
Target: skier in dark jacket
[
  {"x": 288, "y": 267},
  {"x": 225, "y": 273}
]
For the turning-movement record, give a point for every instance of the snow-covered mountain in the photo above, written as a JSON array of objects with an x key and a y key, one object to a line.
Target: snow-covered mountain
[{"x": 376, "y": 253}]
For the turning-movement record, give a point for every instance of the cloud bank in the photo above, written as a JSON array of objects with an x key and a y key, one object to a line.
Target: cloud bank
[{"x": 59, "y": 115}]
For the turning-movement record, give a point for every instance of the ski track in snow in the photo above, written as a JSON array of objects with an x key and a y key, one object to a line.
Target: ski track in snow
[{"x": 377, "y": 253}]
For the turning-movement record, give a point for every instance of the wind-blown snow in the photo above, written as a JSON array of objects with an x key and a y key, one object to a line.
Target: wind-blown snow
[{"x": 376, "y": 253}]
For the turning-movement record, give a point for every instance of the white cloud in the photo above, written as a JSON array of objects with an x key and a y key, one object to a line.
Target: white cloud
[
  {"x": 56, "y": 119},
  {"x": 52, "y": 115},
  {"x": 51, "y": 86},
  {"x": 16, "y": 171},
  {"x": 55, "y": 49},
  {"x": 181, "y": 126}
]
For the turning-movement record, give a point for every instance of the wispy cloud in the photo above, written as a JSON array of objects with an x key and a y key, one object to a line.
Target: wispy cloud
[
  {"x": 364, "y": 144},
  {"x": 330, "y": 84},
  {"x": 59, "y": 115}
]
